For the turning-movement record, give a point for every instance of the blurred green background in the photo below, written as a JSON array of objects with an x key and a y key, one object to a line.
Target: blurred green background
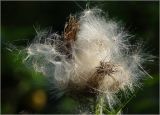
[{"x": 24, "y": 91}]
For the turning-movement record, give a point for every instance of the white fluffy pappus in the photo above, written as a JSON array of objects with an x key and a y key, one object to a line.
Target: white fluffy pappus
[{"x": 100, "y": 61}]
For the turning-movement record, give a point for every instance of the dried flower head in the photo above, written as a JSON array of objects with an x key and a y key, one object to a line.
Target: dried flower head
[{"x": 93, "y": 53}]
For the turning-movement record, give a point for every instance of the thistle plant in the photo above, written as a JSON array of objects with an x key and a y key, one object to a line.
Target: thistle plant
[{"x": 91, "y": 56}]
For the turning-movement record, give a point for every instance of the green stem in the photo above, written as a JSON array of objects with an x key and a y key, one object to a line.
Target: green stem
[
  {"x": 99, "y": 106},
  {"x": 124, "y": 104},
  {"x": 87, "y": 4}
]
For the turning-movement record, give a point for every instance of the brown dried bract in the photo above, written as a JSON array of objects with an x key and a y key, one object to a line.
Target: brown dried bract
[
  {"x": 71, "y": 28},
  {"x": 105, "y": 68}
]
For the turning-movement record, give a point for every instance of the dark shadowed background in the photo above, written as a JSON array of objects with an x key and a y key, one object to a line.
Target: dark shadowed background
[{"x": 24, "y": 91}]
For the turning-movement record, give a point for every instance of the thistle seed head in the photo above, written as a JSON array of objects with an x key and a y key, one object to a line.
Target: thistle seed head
[{"x": 75, "y": 63}]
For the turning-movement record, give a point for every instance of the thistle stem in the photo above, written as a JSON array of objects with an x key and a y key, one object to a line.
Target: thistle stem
[{"x": 99, "y": 106}]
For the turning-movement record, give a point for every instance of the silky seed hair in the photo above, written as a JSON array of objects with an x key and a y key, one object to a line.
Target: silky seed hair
[{"x": 93, "y": 54}]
